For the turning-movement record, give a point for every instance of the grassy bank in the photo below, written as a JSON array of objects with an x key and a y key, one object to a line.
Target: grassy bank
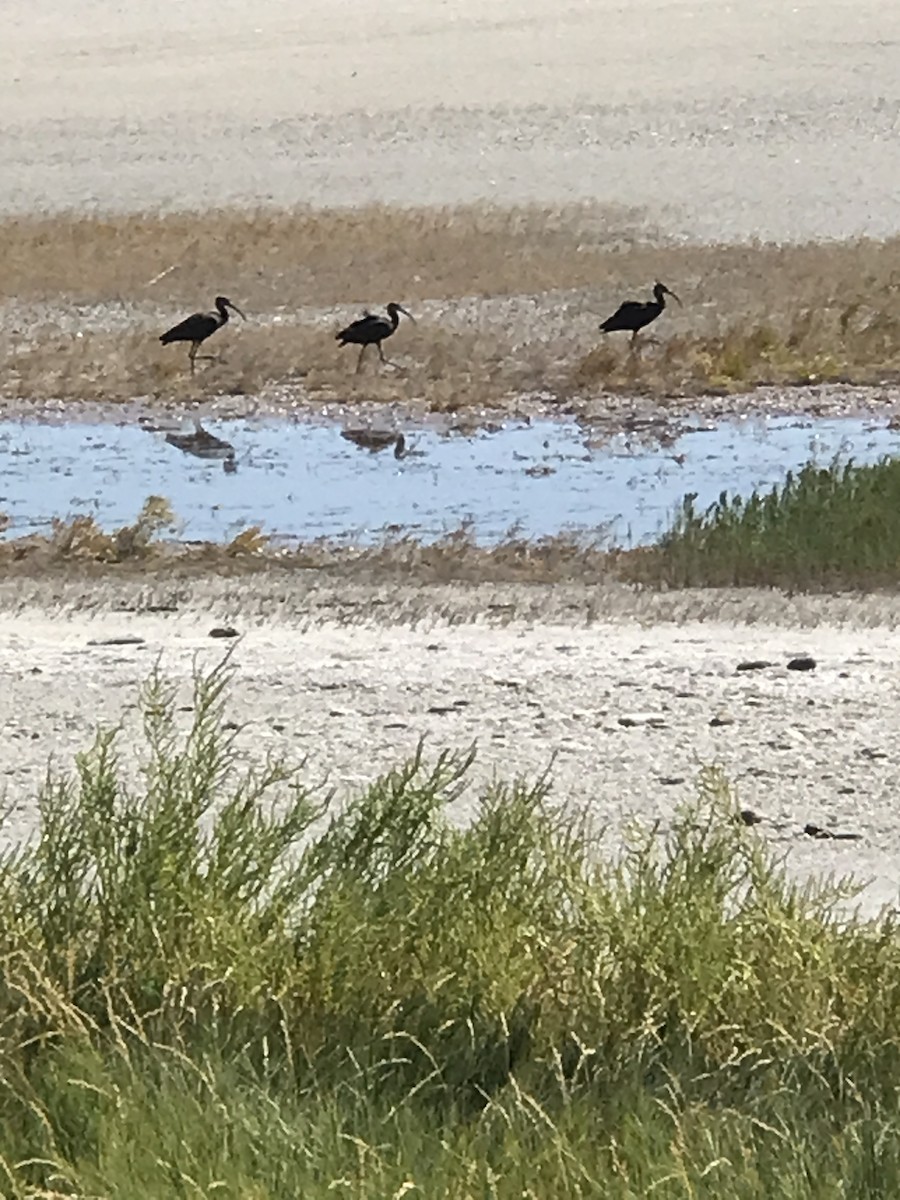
[
  {"x": 825, "y": 528},
  {"x": 508, "y": 301},
  {"x": 214, "y": 986}
]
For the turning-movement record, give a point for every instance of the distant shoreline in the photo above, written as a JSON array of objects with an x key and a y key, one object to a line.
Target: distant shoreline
[{"x": 751, "y": 120}]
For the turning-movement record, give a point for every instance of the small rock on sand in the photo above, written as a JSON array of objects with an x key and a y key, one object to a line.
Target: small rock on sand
[
  {"x": 630, "y": 720},
  {"x": 816, "y": 831},
  {"x": 126, "y": 639}
]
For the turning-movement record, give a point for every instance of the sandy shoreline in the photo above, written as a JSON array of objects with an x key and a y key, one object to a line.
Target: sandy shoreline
[
  {"x": 632, "y": 693},
  {"x": 606, "y": 413}
]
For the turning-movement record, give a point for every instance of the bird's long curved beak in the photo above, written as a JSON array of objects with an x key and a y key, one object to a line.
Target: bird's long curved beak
[
  {"x": 237, "y": 310},
  {"x": 674, "y": 297},
  {"x": 406, "y": 313}
]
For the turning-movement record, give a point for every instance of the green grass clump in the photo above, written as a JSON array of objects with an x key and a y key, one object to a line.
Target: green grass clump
[
  {"x": 212, "y": 986},
  {"x": 824, "y": 528}
]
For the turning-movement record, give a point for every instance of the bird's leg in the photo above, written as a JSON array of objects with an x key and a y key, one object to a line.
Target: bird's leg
[
  {"x": 359, "y": 360},
  {"x": 192, "y": 354},
  {"x": 387, "y": 362}
]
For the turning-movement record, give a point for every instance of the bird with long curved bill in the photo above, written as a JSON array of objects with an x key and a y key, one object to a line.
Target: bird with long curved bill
[
  {"x": 199, "y": 326},
  {"x": 635, "y": 315},
  {"x": 371, "y": 330}
]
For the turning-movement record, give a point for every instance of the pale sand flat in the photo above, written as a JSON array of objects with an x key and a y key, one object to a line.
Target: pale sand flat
[
  {"x": 753, "y": 118},
  {"x": 349, "y": 684}
]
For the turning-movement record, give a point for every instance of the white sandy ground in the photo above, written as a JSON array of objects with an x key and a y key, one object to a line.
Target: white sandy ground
[
  {"x": 346, "y": 675},
  {"x": 742, "y": 119}
]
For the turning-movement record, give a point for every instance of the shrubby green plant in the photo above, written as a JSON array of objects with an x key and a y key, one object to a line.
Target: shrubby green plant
[{"x": 220, "y": 983}]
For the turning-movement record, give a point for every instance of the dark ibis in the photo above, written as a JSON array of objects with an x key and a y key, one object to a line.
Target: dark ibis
[
  {"x": 634, "y": 315},
  {"x": 371, "y": 330},
  {"x": 199, "y": 326}
]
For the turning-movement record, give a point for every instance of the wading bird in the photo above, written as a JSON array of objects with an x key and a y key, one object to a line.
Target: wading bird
[
  {"x": 371, "y": 330},
  {"x": 199, "y": 326},
  {"x": 634, "y": 315}
]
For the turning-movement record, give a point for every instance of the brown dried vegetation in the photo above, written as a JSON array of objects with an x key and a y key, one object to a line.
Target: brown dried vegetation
[
  {"x": 508, "y": 303},
  {"x": 142, "y": 550}
]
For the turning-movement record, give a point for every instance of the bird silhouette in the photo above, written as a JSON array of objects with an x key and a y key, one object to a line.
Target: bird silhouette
[
  {"x": 199, "y": 326},
  {"x": 635, "y": 315},
  {"x": 371, "y": 330}
]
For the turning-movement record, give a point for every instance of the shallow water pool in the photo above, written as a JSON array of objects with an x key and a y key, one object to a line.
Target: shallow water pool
[{"x": 301, "y": 480}]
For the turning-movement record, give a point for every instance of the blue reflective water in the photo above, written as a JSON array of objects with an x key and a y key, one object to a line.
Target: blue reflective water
[{"x": 304, "y": 480}]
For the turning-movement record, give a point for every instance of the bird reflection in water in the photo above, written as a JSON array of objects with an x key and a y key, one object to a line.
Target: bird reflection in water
[
  {"x": 374, "y": 440},
  {"x": 202, "y": 444}
]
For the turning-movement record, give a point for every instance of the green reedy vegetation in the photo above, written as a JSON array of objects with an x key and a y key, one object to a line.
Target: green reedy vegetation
[
  {"x": 217, "y": 984},
  {"x": 824, "y": 528}
]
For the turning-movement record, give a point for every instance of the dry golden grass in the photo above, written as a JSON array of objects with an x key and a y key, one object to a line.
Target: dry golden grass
[
  {"x": 815, "y": 346},
  {"x": 82, "y": 538},
  {"x": 446, "y": 370},
  {"x": 508, "y": 302},
  {"x": 80, "y": 546},
  {"x": 267, "y": 260}
]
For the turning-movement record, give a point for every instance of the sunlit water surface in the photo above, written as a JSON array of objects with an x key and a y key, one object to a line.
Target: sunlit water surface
[{"x": 300, "y": 480}]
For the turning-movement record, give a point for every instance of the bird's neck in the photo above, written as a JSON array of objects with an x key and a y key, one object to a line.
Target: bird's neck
[{"x": 223, "y": 314}]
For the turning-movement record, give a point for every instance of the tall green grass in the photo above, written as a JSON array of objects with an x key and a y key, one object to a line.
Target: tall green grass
[
  {"x": 825, "y": 527},
  {"x": 215, "y": 984}
]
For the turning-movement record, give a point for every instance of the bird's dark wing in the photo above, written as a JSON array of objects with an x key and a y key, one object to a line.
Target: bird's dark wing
[
  {"x": 625, "y": 316},
  {"x": 196, "y": 327},
  {"x": 367, "y": 329},
  {"x": 347, "y": 334}
]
